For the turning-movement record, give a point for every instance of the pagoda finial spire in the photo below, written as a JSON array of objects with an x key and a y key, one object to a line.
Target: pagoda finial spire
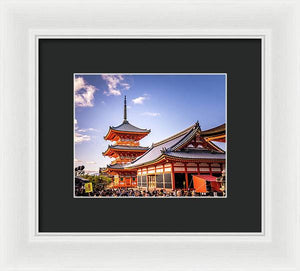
[{"x": 125, "y": 110}]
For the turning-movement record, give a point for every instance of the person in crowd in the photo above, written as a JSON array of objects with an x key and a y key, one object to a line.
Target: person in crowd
[{"x": 134, "y": 192}]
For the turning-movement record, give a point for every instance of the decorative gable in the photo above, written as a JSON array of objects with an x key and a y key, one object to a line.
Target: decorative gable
[{"x": 194, "y": 140}]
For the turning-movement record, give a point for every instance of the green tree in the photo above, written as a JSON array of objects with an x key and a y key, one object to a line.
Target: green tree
[{"x": 99, "y": 182}]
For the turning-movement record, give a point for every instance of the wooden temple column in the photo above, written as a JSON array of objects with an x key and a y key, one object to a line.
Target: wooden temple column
[
  {"x": 210, "y": 171},
  {"x": 155, "y": 176},
  {"x": 198, "y": 169},
  {"x": 147, "y": 184},
  {"x": 164, "y": 183},
  {"x": 130, "y": 179},
  {"x": 173, "y": 177},
  {"x": 186, "y": 177}
]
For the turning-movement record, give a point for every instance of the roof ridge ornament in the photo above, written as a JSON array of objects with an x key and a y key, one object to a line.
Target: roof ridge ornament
[
  {"x": 197, "y": 125},
  {"x": 163, "y": 150}
]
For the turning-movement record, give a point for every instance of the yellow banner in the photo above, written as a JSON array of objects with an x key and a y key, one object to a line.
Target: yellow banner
[{"x": 88, "y": 187}]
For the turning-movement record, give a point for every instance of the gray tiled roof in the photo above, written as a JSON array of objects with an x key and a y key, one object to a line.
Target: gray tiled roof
[
  {"x": 168, "y": 146},
  {"x": 185, "y": 139},
  {"x": 128, "y": 127},
  {"x": 197, "y": 154},
  {"x": 221, "y": 129},
  {"x": 155, "y": 151},
  {"x": 116, "y": 166}
]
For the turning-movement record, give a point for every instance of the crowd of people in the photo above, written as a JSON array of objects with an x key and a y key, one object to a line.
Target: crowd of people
[{"x": 129, "y": 192}]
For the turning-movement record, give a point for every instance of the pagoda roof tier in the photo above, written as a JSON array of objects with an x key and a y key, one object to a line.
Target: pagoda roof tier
[
  {"x": 116, "y": 168},
  {"x": 128, "y": 127},
  {"x": 124, "y": 148},
  {"x": 115, "y": 132},
  {"x": 177, "y": 146},
  {"x": 125, "y": 128}
]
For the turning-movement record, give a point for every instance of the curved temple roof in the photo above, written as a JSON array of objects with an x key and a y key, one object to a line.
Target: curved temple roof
[
  {"x": 127, "y": 127},
  {"x": 125, "y": 147},
  {"x": 116, "y": 166},
  {"x": 216, "y": 134},
  {"x": 203, "y": 154},
  {"x": 169, "y": 146},
  {"x": 111, "y": 148},
  {"x": 219, "y": 130}
]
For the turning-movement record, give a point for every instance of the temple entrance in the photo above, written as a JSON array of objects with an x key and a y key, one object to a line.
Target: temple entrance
[
  {"x": 151, "y": 181},
  {"x": 127, "y": 181},
  {"x": 191, "y": 181},
  {"x": 179, "y": 180}
]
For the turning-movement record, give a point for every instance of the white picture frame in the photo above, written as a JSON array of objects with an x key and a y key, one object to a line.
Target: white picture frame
[{"x": 275, "y": 22}]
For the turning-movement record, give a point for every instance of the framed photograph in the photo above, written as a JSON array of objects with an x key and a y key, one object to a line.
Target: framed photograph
[
  {"x": 189, "y": 163},
  {"x": 155, "y": 140}
]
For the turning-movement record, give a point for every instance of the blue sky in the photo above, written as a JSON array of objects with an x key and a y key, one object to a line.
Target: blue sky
[{"x": 166, "y": 104}]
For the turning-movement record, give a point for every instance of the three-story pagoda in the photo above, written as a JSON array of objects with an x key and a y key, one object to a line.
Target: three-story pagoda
[{"x": 125, "y": 148}]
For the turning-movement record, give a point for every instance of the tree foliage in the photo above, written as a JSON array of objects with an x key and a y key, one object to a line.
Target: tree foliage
[
  {"x": 79, "y": 170},
  {"x": 98, "y": 181}
]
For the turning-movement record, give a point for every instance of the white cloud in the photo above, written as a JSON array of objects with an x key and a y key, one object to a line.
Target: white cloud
[
  {"x": 115, "y": 84},
  {"x": 77, "y": 160},
  {"x": 126, "y": 86},
  {"x": 84, "y": 93},
  {"x": 81, "y": 138},
  {"x": 78, "y": 83},
  {"x": 139, "y": 100},
  {"x": 151, "y": 114},
  {"x": 87, "y": 130}
]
